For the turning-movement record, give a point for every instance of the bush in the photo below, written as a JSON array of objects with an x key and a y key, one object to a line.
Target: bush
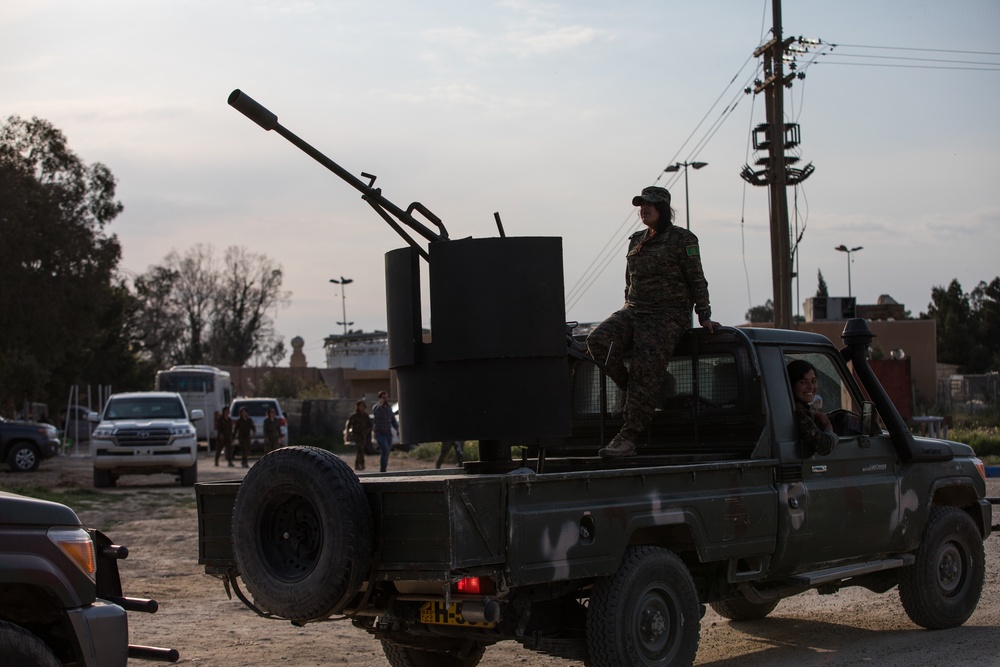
[{"x": 986, "y": 441}]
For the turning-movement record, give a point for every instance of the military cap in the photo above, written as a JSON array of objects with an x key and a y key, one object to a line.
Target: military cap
[{"x": 652, "y": 195}]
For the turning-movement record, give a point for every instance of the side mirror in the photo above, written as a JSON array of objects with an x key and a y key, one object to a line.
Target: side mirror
[
  {"x": 94, "y": 417},
  {"x": 866, "y": 418},
  {"x": 196, "y": 415}
]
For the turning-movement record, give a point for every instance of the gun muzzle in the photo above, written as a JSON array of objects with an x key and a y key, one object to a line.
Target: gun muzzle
[{"x": 247, "y": 106}]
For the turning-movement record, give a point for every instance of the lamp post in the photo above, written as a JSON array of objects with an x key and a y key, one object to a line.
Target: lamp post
[
  {"x": 343, "y": 298},
  {"x": 677, "y": 166},
  {"x": 844, "y": 248}
]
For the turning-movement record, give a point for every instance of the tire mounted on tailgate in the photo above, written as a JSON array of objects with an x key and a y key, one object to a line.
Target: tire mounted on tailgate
[{"x": 302, "y": 533}]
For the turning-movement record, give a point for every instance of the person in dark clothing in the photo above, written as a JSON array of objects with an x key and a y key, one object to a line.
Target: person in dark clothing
[
  {"x": 224, "y": 435},
  {"x": 446, "y": 447},
  {"x": 815, "y": 429},
  {"x": 384, "y": 424},
  {"x": 359, "y": 430},
  {"x": 243, "y": 429},
  {"x": 272, "y": 431},
  {"x": 664, "y": 280}
]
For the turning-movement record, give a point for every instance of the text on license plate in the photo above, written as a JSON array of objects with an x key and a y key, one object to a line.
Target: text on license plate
[{"x": 435, "y": 613}]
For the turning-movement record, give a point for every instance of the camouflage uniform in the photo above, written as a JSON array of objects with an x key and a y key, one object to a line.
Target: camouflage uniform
[
  {"x": 272, "y": 434},
  {"x": 663, "y": 281},
  {"x": 822, "y": 442},
  {"x": 360, "y": 426}
]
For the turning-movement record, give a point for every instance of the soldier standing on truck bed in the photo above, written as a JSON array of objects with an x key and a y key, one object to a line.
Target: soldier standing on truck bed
[{"x": 663, "y": 281}]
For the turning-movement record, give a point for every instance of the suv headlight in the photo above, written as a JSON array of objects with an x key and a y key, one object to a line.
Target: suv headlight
[
  {"x": 103, "y": 432},
  {"x": 186, "y": 431}
]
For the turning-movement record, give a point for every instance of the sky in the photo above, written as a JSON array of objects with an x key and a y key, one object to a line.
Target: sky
[{"x": 554, "y": 114}]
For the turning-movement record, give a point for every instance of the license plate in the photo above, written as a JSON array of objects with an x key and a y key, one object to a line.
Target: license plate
[{"x": 435, "y": 613}]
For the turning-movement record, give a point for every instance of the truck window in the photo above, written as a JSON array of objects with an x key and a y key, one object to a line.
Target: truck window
[{"x": 834, "y": 391}]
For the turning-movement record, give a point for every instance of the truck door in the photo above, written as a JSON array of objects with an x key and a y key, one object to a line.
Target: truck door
[{"x": 849, "y": 497}]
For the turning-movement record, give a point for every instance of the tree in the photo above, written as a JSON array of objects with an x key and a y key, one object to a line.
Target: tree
[
  {"x": 821, "y": 288},
  {"x": 60, "y": 307},
  {"x": 967, "y": 325},
  {"x": 199, "y": 310},
  {"x": 763, "y": 313},
  {"x": 249, "y": 287}
]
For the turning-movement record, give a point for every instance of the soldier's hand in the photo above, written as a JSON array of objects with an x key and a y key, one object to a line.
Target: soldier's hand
[{"x": 710, "y": 325}]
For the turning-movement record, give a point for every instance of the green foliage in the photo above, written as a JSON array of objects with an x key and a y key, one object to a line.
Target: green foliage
[
  {"x": 985, "y": 441},
  {"x": 63, "y": 313},
  {"x": 763, "y": 313},
  {"x": 198, "y": 309},
  {"x": 968, "y": 325},
  {"x": 821, "y": 289}
]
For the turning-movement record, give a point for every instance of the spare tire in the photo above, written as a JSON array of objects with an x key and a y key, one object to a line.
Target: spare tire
[{"x": 302, "y": 533}]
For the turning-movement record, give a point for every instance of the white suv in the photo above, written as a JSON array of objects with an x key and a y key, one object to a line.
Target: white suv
[
  {"x": 258, "y": 407},
  {"x": 145, "y": 433}
]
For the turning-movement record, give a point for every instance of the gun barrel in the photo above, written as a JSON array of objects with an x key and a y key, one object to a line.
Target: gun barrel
[{"x": 256, "y": 112}]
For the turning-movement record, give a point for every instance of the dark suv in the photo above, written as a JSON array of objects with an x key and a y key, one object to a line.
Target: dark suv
[
  {"x": 61, "y": 599},
  {"x": 24, "y": 444}
]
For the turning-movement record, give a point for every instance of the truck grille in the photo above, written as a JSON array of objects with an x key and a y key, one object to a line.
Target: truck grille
[{"x": 145, "y": 437}]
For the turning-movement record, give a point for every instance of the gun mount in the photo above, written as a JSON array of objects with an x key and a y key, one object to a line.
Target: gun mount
[{"x": 497, "y": 305}]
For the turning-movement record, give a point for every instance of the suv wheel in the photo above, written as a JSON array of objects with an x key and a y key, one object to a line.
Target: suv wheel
[
  {"x": 23, "y": 457},
  {"x": 103, "y": 479},
  {"x": 20, "y": 647}
]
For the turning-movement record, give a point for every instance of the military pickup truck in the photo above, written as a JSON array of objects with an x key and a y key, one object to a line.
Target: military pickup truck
[
  {"x": 61, "y": 599},
  {"x": 544, "y": 543}
]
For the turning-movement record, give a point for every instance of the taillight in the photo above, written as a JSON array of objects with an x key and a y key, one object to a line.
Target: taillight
[
  {"x": 469, "y": 586},
  {"x": 281, "y": 422}
]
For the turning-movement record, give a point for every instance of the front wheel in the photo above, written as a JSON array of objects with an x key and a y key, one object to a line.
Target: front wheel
[
  {"x": 942, "y": 588},
  {"x": 23, "y": 457},
  {"x": 450, "y": 653},
  {"x": 646, "y": 614},
  {"x": 103, "y": 479},
  {"x": 20, "y": 647},
  {"x": 189, "y": 475}
]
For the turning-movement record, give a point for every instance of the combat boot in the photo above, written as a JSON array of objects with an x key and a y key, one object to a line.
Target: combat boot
[{"x": 618, "y": 446}]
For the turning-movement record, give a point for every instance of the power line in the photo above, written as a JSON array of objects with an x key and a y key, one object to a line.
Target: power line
[{"x": 905, "y": 48}]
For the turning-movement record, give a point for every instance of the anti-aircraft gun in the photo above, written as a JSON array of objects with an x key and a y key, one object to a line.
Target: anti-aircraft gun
[{"x": 499, "y": 331}]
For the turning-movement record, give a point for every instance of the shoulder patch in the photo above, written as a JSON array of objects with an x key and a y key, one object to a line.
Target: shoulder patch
[{"x": 692, "y": 250}]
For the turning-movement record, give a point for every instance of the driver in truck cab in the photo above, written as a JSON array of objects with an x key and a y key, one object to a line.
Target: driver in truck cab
[{"x": 813, "y": 425}]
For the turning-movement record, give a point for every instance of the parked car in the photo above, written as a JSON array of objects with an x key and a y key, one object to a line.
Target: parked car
[
  {"x": 24, "y": 444},
  {"x": 258, "y": 407},
  {"x": 145, "y": 433},
  {"x": 76, "y": 424}
]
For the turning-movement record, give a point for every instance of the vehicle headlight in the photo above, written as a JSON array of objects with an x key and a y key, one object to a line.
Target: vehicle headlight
[
  {"x": 76, "y": 543},
  {"x": 103, "y": 432},
  {"x": 183, "y": 431}
]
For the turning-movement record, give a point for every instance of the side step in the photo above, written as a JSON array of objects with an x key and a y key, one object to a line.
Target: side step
[{"x": 820, "y": 577}]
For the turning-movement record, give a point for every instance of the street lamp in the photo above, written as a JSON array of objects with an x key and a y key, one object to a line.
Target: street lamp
[
  {"x": 677, "y": 167},
  {"x": 844, "y": 248},
  {"x": 343, "y": 298}
]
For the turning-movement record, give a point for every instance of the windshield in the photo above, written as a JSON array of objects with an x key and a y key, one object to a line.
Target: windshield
[{"x": 141, "y": 407}]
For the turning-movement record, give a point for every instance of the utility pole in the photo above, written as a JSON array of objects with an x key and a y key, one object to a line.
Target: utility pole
[
  {"x": 781, "y": 257},
  {"x": 775, "y": 136}
]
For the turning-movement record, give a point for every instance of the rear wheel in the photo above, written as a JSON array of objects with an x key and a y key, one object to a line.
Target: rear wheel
[
  {"x": 942, "y": 587},
  {"x": 103, "y": 479},
  {"x": 645, "y": 614},
  {"x": 20, "y": 647},
  {"x": 302, "y": 533},
  {"x": 741, "y": 609},
  {"x": 450, "y": 653},
  {"x": 23, "y": 457}
]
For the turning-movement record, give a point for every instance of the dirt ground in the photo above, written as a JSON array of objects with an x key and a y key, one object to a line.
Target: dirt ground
[{"x": 156, "y": 519}]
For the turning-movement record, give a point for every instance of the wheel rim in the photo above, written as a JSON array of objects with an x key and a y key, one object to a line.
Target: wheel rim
[
  {"x": 291, "y": 535},
  {"x": 658, "y": 624},
  {"x": 24, "y": 459},
  {"x": 951, "y": 569}
]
